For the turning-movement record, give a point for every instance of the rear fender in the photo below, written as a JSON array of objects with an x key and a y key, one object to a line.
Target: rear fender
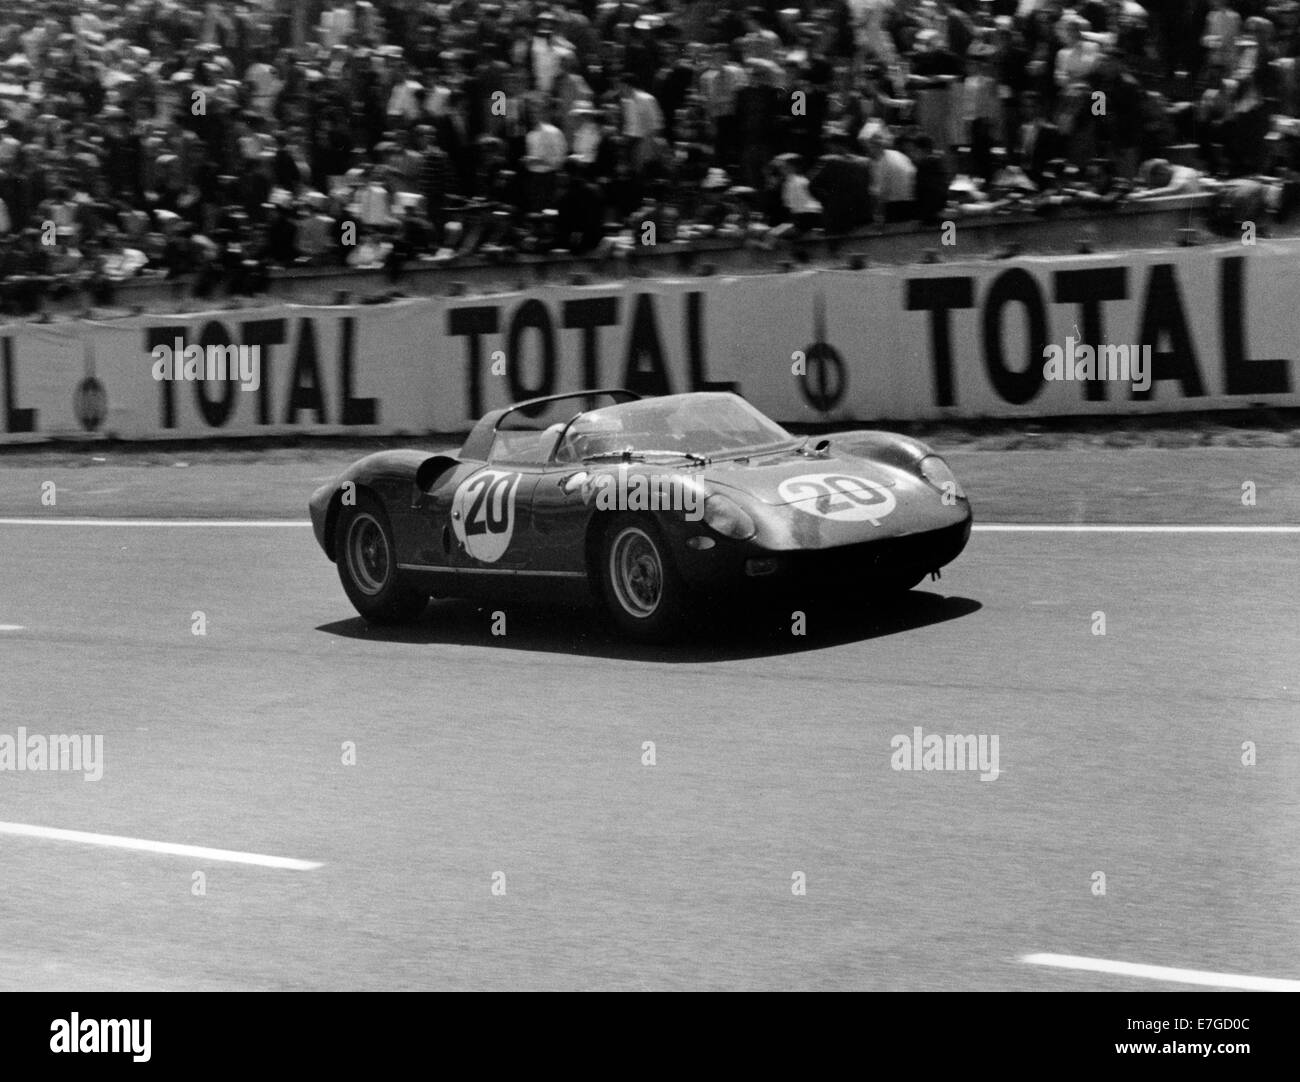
[{"x": 332, "y": 511}]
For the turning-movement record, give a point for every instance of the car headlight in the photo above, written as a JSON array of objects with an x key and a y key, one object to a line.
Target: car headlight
[
  {"x": 728, "y": 517},
  {"x": 936, "y": 471}
]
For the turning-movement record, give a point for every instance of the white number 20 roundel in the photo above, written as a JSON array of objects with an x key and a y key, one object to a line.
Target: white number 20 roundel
[
  {"x": 839, "y": 496},
  {"x": 483, "y": 513}
]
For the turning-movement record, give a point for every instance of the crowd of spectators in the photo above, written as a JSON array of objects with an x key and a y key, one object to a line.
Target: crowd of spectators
[{"x": 213, "y": 141}]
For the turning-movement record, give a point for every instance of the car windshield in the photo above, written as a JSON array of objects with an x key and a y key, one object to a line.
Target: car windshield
[{"x": 705, "y": 425}]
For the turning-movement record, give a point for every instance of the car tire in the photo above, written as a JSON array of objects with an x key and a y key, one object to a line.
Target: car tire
[
  {"x": 643, "y": 593},
  {"x": 366, "y": 553}
]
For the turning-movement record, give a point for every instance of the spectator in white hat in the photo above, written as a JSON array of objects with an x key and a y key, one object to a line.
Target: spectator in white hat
[
  {"x": 545, "y": 54},
  {"x": 893, "y": 176}
]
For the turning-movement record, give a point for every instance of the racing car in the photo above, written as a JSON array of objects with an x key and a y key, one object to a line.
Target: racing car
[{"x": 645, "y": 506}]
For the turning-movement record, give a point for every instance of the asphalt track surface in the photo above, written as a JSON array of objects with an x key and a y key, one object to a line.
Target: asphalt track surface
[{"x": 522, "y": 754}]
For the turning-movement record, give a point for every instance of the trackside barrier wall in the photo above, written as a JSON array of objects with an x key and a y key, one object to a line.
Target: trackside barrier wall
[{"x": 900, "y": 343}]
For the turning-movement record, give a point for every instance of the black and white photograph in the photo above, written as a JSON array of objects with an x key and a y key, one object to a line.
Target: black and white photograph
[{"x": 651, "y": 496}]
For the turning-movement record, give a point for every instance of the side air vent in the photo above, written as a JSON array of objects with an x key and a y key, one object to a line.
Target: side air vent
[{"x": 432, "y": 469}]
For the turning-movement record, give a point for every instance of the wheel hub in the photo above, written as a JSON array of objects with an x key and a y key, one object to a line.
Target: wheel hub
[
  {"x": 637, "y": 573},
  {"x": 368, "y": 554}
]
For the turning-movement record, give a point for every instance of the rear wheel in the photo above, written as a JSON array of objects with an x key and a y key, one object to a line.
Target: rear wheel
[
  {"x": 367, "y": 560},
  {"x": 643, "y": 593}
]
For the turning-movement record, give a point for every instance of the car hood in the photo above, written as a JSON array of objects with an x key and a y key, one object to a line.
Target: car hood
[
  {"x": 778, "y": 479},
  {"x": 847, "y": 495}
]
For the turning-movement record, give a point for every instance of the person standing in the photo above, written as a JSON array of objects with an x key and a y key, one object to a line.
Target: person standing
[
  {"x": 720, "y": 84},
  {"x": 642, "y": 120},
  {"x": 893, "y": 176},
  {"x": 762, "y": 112},
  {"x": 1222, "y": 25},
  {"x": 546, "y": 54},
  {"x": 545, "y": 154}
]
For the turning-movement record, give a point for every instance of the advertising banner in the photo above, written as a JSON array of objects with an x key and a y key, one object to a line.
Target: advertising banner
[{"x": 1139, "y": 332}]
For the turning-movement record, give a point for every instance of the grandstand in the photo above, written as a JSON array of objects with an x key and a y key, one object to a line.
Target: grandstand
[{"x": 221, "y": 148}]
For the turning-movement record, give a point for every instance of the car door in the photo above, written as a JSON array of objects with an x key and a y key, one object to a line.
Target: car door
[
  {"x": 560, "y": 516},
  {"x": 491, "y": 519}
]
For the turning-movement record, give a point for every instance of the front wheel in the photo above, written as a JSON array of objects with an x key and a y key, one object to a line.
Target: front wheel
[
  {"x": 367, "y": 561},
  {"x": 643, "y": 593}
]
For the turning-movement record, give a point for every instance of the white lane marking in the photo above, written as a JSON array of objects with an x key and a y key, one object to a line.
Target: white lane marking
[
  {"x": 171, "y": 849},
  {"x": 253, "y": 523},
  {"x": 11, "y": 627},
  {"x": 1035, "y": 527},
  {"x": 1164, "y": 973}
]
